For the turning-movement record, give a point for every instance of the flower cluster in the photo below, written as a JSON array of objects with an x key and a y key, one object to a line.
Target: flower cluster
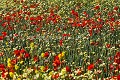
[{"x": 60, "y": 40}]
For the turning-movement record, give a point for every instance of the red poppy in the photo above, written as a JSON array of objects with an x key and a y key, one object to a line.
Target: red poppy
[
  {"x": 92, "y": 43},
  {"x": 91, "y": 66},
  {"x": 38, "y": 18},
  {"x": 35, "y": 58},
  {"x": 111, "y": 66},
  {"x": 70, "y": 20},
  {"x": 56, "y": 76},
  {"x": 97, "y": 7},
  {"x": 118, "y": 77},
  {"x": 68, "y": 69},
  {"x": 112, "y": 19},
  {"x": 2, "y": 67},
  {"x": 90, "y": 32},
  {"x": 74, "y": 24},
  {"x": 4, "y": 34},
  {"x": 116, "y": 8},
  {"x": 99, "y": 20},
  {"x": 17, "y": 52},
  {"x": 10, "y": 28},
  {"x": 56, "y": 58},
  {"x": 4, "y": 24},
  {"x": 22, "y": 51},
  {"x": 46, "y": 54},
  {"x": 84, "y": 23},
  {"x": 74, "y": 13},
  {"x": 8, "y": 18},
  {"x": 32, "y": 18},
  {"x": 79, "y": 24},
  {"x": 27, "y": 55},
  {"x": 61, "y": 42},
  {"x": 14, "y": 61},
  {"x": 117, "y": 58},
  {"x": 108, "y": 45},
  {"x": 3, "y": 74},
  {"x": 56, "y": 62},
  {"x": 33, "y": 6},
  {"x": 85, "y": 13},
  {"x": 28, "y": 13},
  {"x": 1, "y": 37},
  {"x": 112, "y": 29},
  {"x": 46, "y": 68},
  {"x": 64, "y": 35}
]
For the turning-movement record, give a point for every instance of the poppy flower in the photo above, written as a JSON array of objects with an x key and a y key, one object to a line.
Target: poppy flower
[
  {"x": 90, "y": 32},
  {"x": 68, "y": 69},
  {"x": 79, "y": 25},
  {"x": 55, "y": 76},
  {"x": 73, "y": 12},
  {"x": 118, "y": 77},
  {"x": 2, "y": 67},
  {"x": 4, "y": 34},
  {"x": 56, "y": 63},
  {"x": 108, "y": 45},
  {"x": 70, "y": 20},
  {"x": 111, "y": 66},
  {"x": 116, "y": 8},
  {"x": 32, "y": 18},
  {"x": 17, "y": 52},
  {"x": 92, "y": 43},
  {"x": 4, "y": 74},
  {"x": 61, "y": 42},
  {"x": 97, "y": 7},
  {"x": 8, "y": 18},
  {"x": 117, "y": 58},
  {"x": 90, "y": 67},
  {"x": 38, "y": 18},
  {"x": 35, "y": 58},
  {"x": 45, "y": 68},
  {"x": 33, "y": 6},
  {"x": 46, "y": 54},
  {"x": 27, "y": 55},
  {"x": 112, "y": 19},
  {"x": 13, "y": 61},
  {"x": 64, "y": 35},
  {"x": 22, "y": 51},
  {"x": 1, "y": 37}
]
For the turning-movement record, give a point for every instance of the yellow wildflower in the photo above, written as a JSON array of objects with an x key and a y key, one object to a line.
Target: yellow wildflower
[
  {"x": 16, "y": 67},
  {"x": 42, "y": 68},
  {"x": 6, "y": 43},
  {"x": 63, "y": 54},
  {"x": 11, "y": 74},
  {"x": 9, "y": 62},
  {"x": 36, "y": 71},
  {"x": 21, "y": 62},
  {"x": 42, "y": 54},
  {"x": 60, "y": 56},
  {"x": 63, "y": 71},
  {"x": 31, "y": 45},
  {"x": 19, "y": 79},
  {"x": 51, "y": 73},
  {"x": 9, "y": 65}
]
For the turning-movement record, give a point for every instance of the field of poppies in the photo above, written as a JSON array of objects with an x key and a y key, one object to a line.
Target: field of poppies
[{"x": 60, "y": 40}]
